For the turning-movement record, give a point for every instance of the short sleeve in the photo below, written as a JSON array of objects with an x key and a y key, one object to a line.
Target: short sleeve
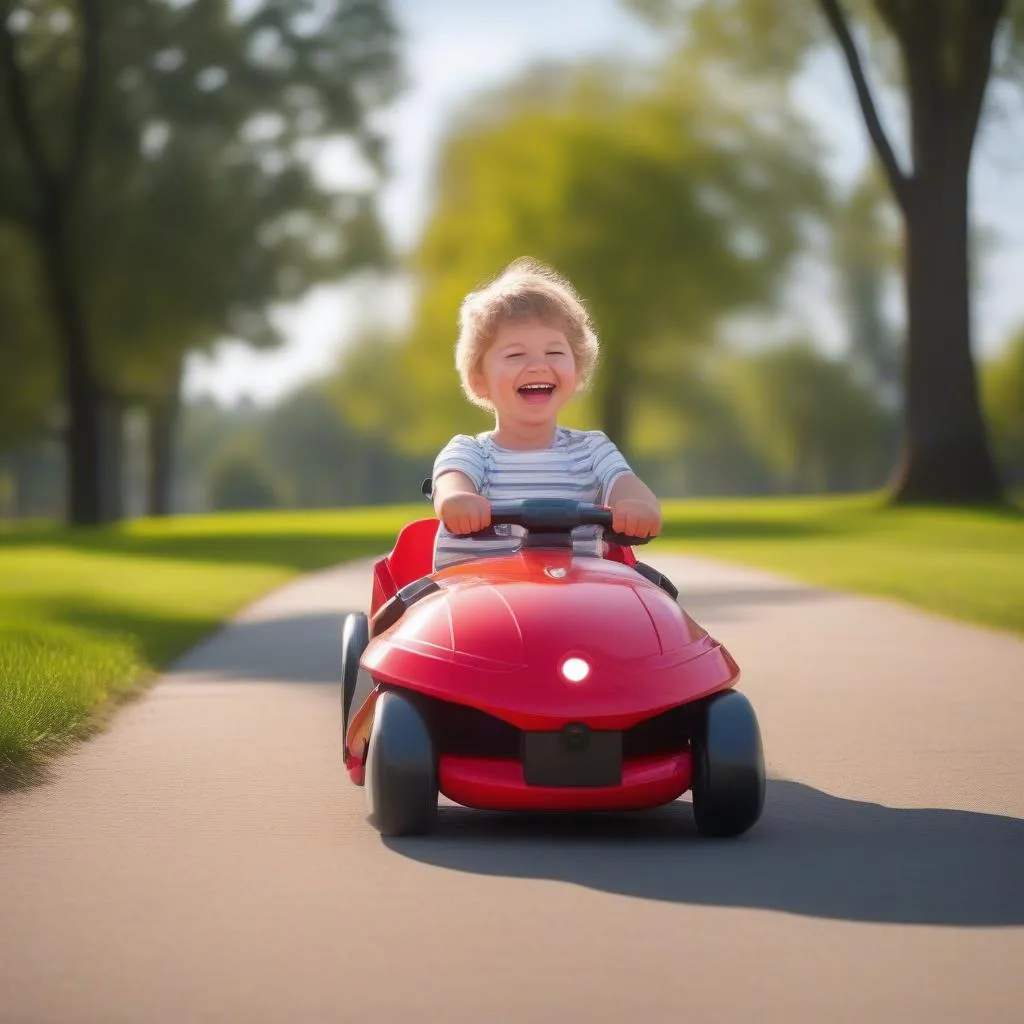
[
  {"x": 465, "y": 455},
  {"x": 609, "y": 463}
]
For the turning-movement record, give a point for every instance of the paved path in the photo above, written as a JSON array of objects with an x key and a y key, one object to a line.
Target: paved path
[{"x": 206, "y": 860}]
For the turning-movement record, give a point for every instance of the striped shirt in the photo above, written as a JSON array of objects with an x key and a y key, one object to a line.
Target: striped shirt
[{"x": 580, "y": 464}]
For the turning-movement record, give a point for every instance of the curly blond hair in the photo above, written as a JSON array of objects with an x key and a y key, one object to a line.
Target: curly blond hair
[{"x": 525, "y": 290}]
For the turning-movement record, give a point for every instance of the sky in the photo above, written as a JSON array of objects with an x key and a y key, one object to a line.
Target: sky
[{"x": 451, "y": 49}]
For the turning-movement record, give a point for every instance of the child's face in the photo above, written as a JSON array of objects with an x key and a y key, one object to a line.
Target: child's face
[{"x": 527, "y": 374}]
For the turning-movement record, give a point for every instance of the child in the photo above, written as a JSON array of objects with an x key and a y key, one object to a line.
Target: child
[{"x": 525, "y": 348}]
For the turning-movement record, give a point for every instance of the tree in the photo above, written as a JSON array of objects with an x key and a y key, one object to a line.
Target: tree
[
  {"x": 945, "y": 53},
  {"x": 380, "y": 396},
  {"x": 1003, "y": 391},
  {"x": 55, "y": 184},
  {"x": 206, "y": 428},
  {"x": 866, "y": 254},
  {"x": 667, "y": 207},
  {"x": 241, "y": 478},
  {"x": 27, "y": 359},
  {"x": 946, "y": 50},
  {"x": 157, "y": 155},
  {"x": 313, "y": 450},
  {"x": 807, "y": 416}
]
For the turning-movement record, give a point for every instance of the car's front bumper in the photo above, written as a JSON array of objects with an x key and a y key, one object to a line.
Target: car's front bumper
[{"x": 499, "y": 785}]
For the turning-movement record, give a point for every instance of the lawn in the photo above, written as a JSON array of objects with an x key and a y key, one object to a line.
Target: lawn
[
  {"x": 966, "y": 564},
  {"x": 86, "y": 616}
]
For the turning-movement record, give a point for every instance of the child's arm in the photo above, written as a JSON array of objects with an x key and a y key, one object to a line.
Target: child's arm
[
  {"x": 458, "y": 478},
  {"x": 635, "y": 508},
  {"x": 458, "y": 504}
]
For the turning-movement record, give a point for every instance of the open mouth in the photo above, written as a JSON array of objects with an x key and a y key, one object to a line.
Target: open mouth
[{"x": 536, "y": 393}]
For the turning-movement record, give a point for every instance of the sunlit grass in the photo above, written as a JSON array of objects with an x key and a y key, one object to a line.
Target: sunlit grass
[
  {"x": 85, "y": 614},
  {"x": 52, "y": 678},
  {"x": 962, "y": 563}
]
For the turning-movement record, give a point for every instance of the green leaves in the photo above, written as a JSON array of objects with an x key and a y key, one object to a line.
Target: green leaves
[
  {"x": 200, "y": 208},
  {"x": 28, "y": 359},
  {"x": 666, "y": 201},
  {"x": 752, "y": 35},
  {"x": 1002, "y": 385},
  {"x": 810, "y": 420}
]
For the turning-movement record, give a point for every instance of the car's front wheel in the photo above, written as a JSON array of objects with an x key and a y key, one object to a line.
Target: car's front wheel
[
  {"x": 728, "y": 766},
  {"x": 401, "y": 769}
]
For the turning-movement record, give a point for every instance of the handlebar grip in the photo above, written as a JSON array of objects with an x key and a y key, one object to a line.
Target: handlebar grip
[{"x": 625, "y": 541}]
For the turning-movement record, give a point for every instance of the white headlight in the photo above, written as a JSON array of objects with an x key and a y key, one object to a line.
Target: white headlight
[{"x": 575, "y": 669}]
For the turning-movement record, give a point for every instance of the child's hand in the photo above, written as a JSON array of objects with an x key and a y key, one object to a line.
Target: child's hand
[
  {"x": 635, "y": 518},
  {"x": 464, "y": 512}
]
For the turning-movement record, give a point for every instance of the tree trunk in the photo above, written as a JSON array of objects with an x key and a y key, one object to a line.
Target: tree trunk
[
  {"x": 111, "y": 461},
  {"x": 614, "y": 400},
  {"x": 163, "y": 421},
  {"x": 162, "y": 435},
  {"x": 947, "y": 55},
  {"x": 945, "y": 456},
  {"x": 50, "y": 222},
  {"x": 81, "y": 392}
]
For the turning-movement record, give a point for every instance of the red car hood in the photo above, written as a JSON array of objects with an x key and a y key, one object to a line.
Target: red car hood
[{"x": 498, "y": 633}]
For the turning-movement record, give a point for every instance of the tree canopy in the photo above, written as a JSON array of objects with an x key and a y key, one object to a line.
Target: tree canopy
[
  {"x": 160, "y": 155},
  {"x": 1003, "y": 389},
  {"x": 27, "y": 357},
  {"x": 668, "y": 204},
  {"x": 939, "y": 56}
]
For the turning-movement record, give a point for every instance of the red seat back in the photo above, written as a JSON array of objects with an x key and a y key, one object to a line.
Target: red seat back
[
  {"x": 411, "y": 558},
  {"x": 413, "y": 554}
]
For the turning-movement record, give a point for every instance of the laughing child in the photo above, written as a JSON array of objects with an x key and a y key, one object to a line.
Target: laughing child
[{"x": 525, "y": 348}]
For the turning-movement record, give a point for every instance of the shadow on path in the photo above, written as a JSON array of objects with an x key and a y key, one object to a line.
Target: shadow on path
[
  {"x": 730, "y": 604},
  {"x": 811, "y": 854},
  {"x": 298, "y": 648}
]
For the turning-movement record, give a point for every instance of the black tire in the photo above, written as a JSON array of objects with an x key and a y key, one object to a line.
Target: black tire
[
  {"x": 401, "y": 769},
  {"x": 355, "y": 635},
  {"x": 728, "y": 766}
]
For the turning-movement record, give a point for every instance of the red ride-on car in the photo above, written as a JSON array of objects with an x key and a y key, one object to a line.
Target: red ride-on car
[{"x": 541, "y": 681}]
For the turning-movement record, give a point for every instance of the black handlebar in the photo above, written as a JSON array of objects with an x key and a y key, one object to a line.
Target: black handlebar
[{"x": 557, "y": 516}]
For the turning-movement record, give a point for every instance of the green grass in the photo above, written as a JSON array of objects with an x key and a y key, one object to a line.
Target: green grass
[
  {"x": 962, "y": 563},
  {"x": 52, "y": 678},
  {"x": 87, "y": 615}
]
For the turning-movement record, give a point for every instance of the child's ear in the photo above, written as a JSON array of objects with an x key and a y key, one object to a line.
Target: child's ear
[{"x": 478, "y": 385}]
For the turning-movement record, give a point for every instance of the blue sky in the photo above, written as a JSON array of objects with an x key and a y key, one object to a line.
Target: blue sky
[{"x": 455, "y": 47}]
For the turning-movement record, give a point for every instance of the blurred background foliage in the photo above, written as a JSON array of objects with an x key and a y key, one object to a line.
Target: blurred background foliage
[{"x": 159, "y": 194}]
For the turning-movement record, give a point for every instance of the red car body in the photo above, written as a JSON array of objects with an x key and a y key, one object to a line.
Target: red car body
[{"x": 487, "y": 645}]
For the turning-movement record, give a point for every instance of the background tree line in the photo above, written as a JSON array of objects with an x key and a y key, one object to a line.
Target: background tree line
[{"x": 157, "y": 194}]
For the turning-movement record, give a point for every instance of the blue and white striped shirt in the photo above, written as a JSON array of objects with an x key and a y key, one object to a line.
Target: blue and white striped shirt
[{"x": 580, "y": 464}]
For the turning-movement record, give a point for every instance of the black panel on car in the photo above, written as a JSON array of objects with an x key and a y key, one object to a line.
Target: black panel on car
[
  {"x": 661, "y": 580},
  {"x": 573, "y": 756},
  {"x": 393, "y": 609}
]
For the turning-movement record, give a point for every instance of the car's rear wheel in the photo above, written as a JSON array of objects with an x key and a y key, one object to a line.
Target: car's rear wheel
[
  {"x": 355, "y": 635},
  {"x": 728, "y": 766},
  {"x": 401, "y": 769}
]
